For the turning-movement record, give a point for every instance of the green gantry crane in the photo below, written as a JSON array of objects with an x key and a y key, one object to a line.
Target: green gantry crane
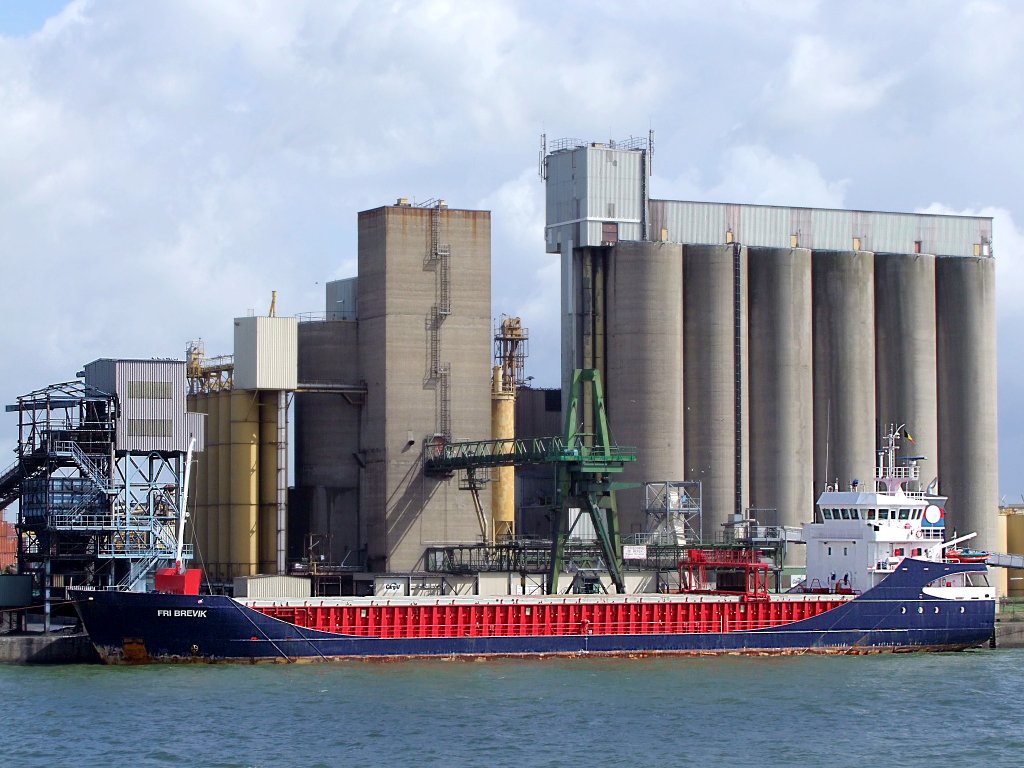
[{"x": 585, "y": 462}]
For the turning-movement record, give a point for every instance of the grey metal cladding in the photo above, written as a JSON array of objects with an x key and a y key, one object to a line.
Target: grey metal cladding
[
  {"x": 151, "y": 398},
  {"x": 821, "y": 228}
]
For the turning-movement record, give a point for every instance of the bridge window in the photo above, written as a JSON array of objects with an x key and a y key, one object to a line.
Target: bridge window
[
  {"x": 827, "y": 514},
  {"x": 855, "y": 514},
  {"x": 904, "y": 514},
  {"x": 845, "y": 513},
  {"x": 871, "y": 514},
  {"x": 883, "y": 514}
]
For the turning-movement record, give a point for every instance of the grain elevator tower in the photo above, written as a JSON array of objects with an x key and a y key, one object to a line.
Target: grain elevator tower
[
  {"x": 406, "y": 348},
  {"x": 763, "y": 350}
]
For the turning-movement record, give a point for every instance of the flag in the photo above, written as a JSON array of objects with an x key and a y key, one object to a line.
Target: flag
[{"x": 906, "y": 434}]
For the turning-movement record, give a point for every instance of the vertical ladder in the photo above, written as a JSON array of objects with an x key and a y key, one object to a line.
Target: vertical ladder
[
  {"x": 439, "y": 370},
  {"x": 737, "y": 355}
]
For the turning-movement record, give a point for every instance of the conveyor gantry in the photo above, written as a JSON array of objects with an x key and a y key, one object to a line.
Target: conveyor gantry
[
  {"x": 584, "y": 463},
  {"x": 448, "y": 458}
]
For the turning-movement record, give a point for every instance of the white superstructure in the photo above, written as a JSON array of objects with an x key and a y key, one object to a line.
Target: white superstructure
[{"x": 863, "y": 534}]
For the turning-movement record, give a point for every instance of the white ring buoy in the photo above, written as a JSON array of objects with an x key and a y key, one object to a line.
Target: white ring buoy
[{"x": 919, "y": 533}]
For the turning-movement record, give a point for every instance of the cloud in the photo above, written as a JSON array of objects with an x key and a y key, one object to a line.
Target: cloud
[
  {"x": 754, "y": 174},
  {"x": 826, "y": 80},
  {"x": 164, "y": 166},
  {"x": 525, "y": 280}
]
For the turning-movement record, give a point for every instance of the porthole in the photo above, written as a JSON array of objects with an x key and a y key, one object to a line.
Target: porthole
[
  {"x": 962, "y": 609},
  {"x": 903, "y": 609},
  {"x": 936, "y": 609},
  {"x": 920, "y": 609}
]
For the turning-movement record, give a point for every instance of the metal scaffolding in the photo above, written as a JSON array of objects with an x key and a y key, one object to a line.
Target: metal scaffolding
[{"x": 89, "y": 515}]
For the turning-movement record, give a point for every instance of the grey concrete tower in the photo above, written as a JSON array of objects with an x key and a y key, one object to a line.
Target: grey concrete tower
[
  {"x": 645, "y": 365},
  {"x": 905, "y": 349},
  {"x": 965, "y": 300},
  {"x": 714, "y": 454},
  {"x": 844, "y": 368},
  {"x": 419, "y": 350},
  {"x": 780, "y": 365}
]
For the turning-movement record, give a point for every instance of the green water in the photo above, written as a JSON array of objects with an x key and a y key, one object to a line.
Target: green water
[{"x": 888, "y": 710}]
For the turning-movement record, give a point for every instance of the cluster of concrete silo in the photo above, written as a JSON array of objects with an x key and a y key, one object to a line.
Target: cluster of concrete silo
[{"x": 767, "y": 373}]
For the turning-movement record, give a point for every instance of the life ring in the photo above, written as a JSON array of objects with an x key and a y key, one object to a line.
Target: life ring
[{"x": 919, "y": 533}]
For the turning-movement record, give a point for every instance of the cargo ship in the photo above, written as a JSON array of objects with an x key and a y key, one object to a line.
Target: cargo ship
[{"x": 881, "y": 576}]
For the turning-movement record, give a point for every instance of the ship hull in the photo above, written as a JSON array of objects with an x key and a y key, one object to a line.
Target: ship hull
[{"x": 893, "y": 617}]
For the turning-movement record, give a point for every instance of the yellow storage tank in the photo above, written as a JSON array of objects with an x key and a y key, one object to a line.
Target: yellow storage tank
[
  {"x": 245, "y": 436},
  {"x": 268, "y": 482}
]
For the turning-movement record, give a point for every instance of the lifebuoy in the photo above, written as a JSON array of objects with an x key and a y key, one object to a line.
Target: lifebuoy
[{"x": 919, "y": 533}]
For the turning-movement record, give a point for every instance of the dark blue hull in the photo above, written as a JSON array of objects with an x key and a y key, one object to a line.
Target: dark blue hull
[{"x": 894, "y": 616}]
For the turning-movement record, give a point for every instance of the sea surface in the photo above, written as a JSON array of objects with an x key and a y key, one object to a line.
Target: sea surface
[{"x": 957, "y": 709}]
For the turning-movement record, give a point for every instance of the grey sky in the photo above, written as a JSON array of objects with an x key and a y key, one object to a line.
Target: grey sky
[{"x": 165, "y": 165}]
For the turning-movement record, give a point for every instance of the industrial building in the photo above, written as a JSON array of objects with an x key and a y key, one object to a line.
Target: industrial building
[
  {"x": 100, "y": 476},
  {"x": 763, "y": 350},
  {"x": 400, "y": 360},
  {"x": 753, "y": 356}
]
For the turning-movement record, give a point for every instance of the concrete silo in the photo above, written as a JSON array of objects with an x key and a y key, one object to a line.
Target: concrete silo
[
  {"x": 710, "y": 380},
  {"x": 844, "y": 367},
  {"x": 781, "y": 413},
  {"x": 968, "y": 466},
  {"x": 644, "y": 363},
  {"x": 598, "y": 200},
  {"x": 905, "y": 366}
]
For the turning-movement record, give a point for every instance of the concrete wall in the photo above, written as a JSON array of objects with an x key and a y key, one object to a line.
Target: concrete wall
[
  {"x": 47, "y": 649},
  {"x": 905, "y": 348},
  {"x": 538, "y": 414},
  {"x": 781, "y": 411},
  {"x": 708, "y": 368},
  {"x": 844, "y": 367},
  {"x": 327, "y": 442},
  {"x": 966, "y": 357},
  {"x": 644, "y": 362},
  {"x": 406, "y": 511}
]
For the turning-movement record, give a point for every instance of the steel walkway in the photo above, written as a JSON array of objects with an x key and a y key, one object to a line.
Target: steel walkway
[{"x": 1003, "y": 560}]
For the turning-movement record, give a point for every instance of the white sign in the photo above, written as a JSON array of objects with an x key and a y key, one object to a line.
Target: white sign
[{"x": 634, "y": 552}]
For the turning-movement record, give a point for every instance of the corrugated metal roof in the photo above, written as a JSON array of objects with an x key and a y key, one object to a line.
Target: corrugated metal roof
[{"x": 821, "y": 228}]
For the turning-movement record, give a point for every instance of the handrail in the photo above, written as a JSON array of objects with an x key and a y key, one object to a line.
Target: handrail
[{"x": 83, "y": 461}]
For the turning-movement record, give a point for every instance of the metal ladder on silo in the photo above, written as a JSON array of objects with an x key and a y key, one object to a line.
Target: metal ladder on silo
[{"x": 439, "y": 255}]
